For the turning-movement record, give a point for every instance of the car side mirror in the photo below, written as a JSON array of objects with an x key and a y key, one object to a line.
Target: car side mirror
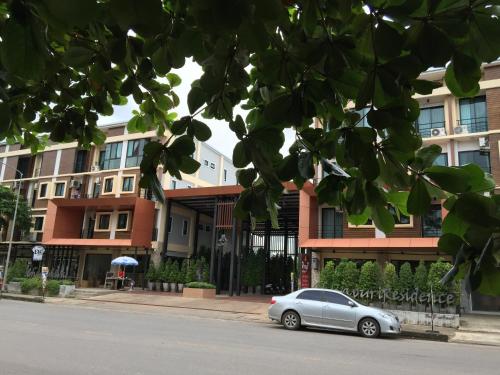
[{"x": 352, "y": 304}]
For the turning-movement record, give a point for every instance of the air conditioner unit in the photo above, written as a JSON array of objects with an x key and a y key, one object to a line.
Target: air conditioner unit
[
  {"x": 460, "y": 130},
  {"x": 438, "y": 132},
  {"x": 484, "y": 143},
  {"x": 95, "y": 168},
  {"x": 75, "y": 184}
]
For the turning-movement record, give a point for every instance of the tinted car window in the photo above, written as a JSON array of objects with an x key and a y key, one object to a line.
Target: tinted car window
[
  {"x": 336, "y": 298},
  {"x": 312, "y": 295}
]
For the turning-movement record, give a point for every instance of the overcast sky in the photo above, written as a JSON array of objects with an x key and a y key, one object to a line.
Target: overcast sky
[{"x": 223, "y": 139}]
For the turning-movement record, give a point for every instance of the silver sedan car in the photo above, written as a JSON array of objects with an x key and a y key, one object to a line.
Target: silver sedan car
[{"x": 325, "y": 308}]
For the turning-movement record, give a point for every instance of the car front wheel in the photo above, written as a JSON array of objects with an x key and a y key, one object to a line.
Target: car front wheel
[
  {"x": 369, "y": 327},
  {"x": 291, "y": 320}
]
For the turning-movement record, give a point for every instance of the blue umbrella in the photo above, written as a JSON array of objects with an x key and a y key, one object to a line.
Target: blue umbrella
[{"x": 124, "y": 261}]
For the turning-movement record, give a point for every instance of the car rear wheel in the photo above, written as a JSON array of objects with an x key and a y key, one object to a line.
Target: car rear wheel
[
  {"x": 291, "y": 320},
  {"x": 369, "y": 327}
]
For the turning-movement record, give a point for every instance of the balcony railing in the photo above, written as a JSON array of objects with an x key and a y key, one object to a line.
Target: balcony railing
[
  {"x": 431, "y": 232},
  {"x": 472, "y": 125},
  {"x": 329, "y": 231},
  {"x": 425, "y": 129}
]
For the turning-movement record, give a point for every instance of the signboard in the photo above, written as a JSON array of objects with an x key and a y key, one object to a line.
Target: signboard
[
  {"x": 38, "y": 253},
  {"x": 305, "y": 271}
]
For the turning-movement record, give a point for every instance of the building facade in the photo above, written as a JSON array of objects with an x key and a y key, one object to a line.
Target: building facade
[
  {"x": 468, "y": 131},
  {"x": 88, "y": 207}
]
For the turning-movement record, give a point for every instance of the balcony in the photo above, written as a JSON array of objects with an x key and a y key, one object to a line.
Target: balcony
[
  {"x": 431, "y": 129},
  {"x": 471, "y": 125}
]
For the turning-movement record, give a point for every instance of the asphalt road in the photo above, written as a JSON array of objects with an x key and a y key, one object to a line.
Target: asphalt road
[{"x": 72, "y": 340}]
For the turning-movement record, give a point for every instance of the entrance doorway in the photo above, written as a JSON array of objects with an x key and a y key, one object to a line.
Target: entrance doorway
[{"x": 96, "y": 266}]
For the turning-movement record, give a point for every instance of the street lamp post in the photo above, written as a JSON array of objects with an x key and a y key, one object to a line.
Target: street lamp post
[{"x": 11, "y": 238}]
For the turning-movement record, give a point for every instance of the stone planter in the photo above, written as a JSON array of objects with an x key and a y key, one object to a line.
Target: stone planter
[
  {"x": 166, "y": 287},
  {"x": 66, "y": 291},
  {"x": 198, "y": 293},
  {"x": 14, "y": 287},
  {"x": 180, "y": 288},
  {"x": 151, "y": 285},
  {"x": 173, "y": 287}
]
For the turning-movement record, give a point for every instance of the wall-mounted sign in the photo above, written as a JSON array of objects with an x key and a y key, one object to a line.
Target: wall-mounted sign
[
  {"x": 38, "y": 253},
  {"x": 305, "y": 271}
]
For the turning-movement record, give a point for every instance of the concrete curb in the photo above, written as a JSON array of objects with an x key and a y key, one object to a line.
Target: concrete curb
[
  {"x": 425, "y": 335},
  {"x": 22, "y": 297}
]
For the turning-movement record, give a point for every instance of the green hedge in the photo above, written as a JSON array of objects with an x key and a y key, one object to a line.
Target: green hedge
[
  {"x": 28, "y": 285},
  {"x": 200, "y": 285}
]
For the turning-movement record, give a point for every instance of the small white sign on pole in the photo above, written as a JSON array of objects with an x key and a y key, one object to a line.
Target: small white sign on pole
[{"x": 38, "y": 253}]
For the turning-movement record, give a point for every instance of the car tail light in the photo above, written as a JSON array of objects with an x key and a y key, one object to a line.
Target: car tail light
[{"x": 273, "y": 301}]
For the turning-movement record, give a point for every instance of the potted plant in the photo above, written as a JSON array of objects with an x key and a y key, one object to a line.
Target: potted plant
[
  {"x": 165, "y": 274},
  {"x": 174, "y": 272},
  {"x": 199, "y": 289},
  {"x": 151, "y": 276},
  {"x": 181, "y": 279},
  {"x": 17, "y": 273}
]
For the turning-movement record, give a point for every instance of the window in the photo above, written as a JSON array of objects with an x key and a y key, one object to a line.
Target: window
[
  {"x": 128, "y": 183},
  {"x": 80, "y": 161},
  {"x": 173, "y": 184},
  {"x": 170, "y": 223},
  {"x": 200, "y": 226},
  {"x": 38, "y": 223},
  {"x": 42, "y": 190},
  {"x": 208, "y": 228},
  {"x": 311, "y": 295},
  {"x": 205, "y": 163},
  {"x": 59, "y": 189},
  {"x": 430, "y": 118},
  {"x": 122, "y": 222},
  {"x": 481, "y": 158},
  {"x": 431, "y": 222},
  {"x": 135, "y": 152},
  {"x": 473, "y": 114},
  {"x": 441, "y": 160},
  {"x": 96, "y": 190},
  {"x": 108, "y": 185},
  {"x": 399, "y": 218},
  {"x": 102, "y": 221},
  {"x": 332, "y": 222},
  {"x": 185, "y": 226},
  {"x": 24, "y": 165},
  {"x": 225, "y": 175},
  {"x": 109, "y": 158},
  {"x": 339, "y": 299},
  {"x": 212, "y": 165}
]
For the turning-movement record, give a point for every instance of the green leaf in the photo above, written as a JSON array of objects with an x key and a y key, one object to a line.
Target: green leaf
[
  {"x": 19, "y": 52},
  {"x": 72, "y": 12},
  {"x": 388, "y": 41},
  {"x": 462, "y": 76},
  {"x": 196, "y": 98},
  {"x": 201, "y": 130},
  {"x": 419, "y": 199},
  {"x": 424, "y": 87},
  {"x": 246, "y": 177},
  {"x": 183, "y": 145},
  {"x": 240, "y": 155},
  {"x": 145, "y": 17},
  {"x": 189, "y": 165},
  {"x": 174, "y": 79},
  {"x": 309, "y": 17},
  {"x": 450, "y": 243},
  {"x": 426, "y": 156},
  {"x": 451, "y": 179},
  {"x": 382, "y": 218},
  {"x": 161, "y": 60},
  {"x": 238, "y": 127},
  {"x": 277, "y": 111},
  {"x": 179, "y": 127},
  {"x": 78, "y": 57}
]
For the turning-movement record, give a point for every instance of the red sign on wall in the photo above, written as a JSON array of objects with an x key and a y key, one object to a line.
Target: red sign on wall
[{"x": 305, "y": 271}]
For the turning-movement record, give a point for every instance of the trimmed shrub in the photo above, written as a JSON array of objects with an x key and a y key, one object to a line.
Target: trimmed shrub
[
  {"x": 67, "y": 282},
  {"x": 326, "y": 276},
  {"x": 405, "y": 278},
  {"x": 370, "y": 277},
  {"x": 151, "y": 274},
  {"x": 191, "y": 271},
  {"x": 338, "y": 275},
  {"x": 17, "y": 270},
  {"x": 350, "y": 276},
  {"x": 390, "y": 276},
  {"x": 200, "y": 285},
  {"x": 183, "y": 272},
  {"x": 436, "y": 273},
  {"x": 53, "y": 287},
  {"x": 421, "y": 277},
  {"x": 28, "y": 285},
  {"x": 174, "y": 273}
]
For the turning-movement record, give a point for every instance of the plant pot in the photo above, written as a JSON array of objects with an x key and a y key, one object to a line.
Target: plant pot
[
  {"x": 173, "y": 287},
  {"x": 14, "y": 287},
  {"x": 198, "y": 293},
  {"x": 66, "y": 290},
  {"x": 166, "y": 287},
  {"x": 180, "y": 288},
  {"x": 151, "y": 285},
  {"x": 158, "y": 286}
]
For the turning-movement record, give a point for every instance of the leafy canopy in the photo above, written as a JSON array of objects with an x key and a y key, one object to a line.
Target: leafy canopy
[{"x": 64, "y": 62}]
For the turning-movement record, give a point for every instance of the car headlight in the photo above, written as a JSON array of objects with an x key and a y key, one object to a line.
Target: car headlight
[{"x": 386, "y": 316}]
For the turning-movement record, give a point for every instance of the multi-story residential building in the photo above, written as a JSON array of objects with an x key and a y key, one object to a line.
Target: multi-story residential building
[
  {"x": 468, "y": 130},
  {"x": 88, "y": 208}
]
